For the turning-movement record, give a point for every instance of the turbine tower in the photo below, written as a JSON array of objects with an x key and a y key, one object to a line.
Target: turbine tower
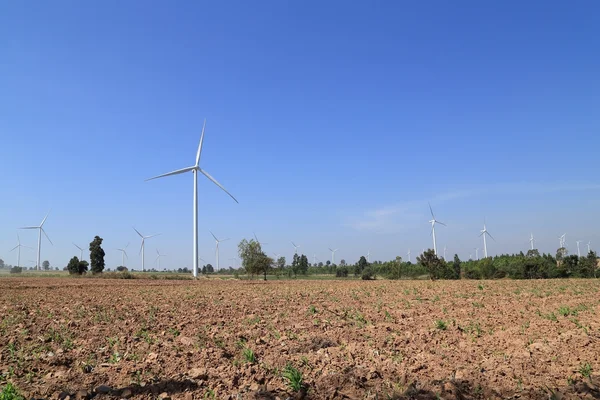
[
  {"x": 158, "y": 258},
  {"x": 369, "y": 256},
  {"x": 444, "y": 252},
  {"x": 408, "y": 254},
  {"x": 578, "y": 252},
  {"x": 333, "y": 255},
  {"x": 433, "y": 222},
  {"x": 142, "y": 247},
  {"x": 80, "y": 252},
  {"x": 295, "y": 247},
  {"x": 19, "y": 245},
  {"x": 477, "y": 253},
  {"x": 218, "y": 241},
  {"x": 589, "y": 243},
  {"x": 531, "y": 241},
  {"x": 123, "y": 254},
  {"x": 195, "y": 169},
  {"x": 483, "y": 233},
  {"x": 41, "y": 229}
]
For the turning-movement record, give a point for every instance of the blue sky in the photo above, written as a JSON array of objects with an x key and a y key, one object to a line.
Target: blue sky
[{"x": 333, "y": 123}]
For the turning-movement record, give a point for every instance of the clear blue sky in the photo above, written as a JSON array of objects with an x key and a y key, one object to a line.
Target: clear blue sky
[{"x": 333, "y": 123}]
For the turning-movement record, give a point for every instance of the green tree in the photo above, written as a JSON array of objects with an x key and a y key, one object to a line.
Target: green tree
[
  {"x": 46, "y": 265},
  {"x": 77, "y": 266},
  {"x": 303, "y": 265},
  {"x": 210, "y": 269},
  {"x": 456, "y": 264},
  {"x": 360, "y": 266},
  {"x": 296, "y": 264},
  {"x": 97, "y": 255},
  {"x": 281, "y": 264},
  {"x": 254, "y": 260},
  {"x": 430, "y": 261}
]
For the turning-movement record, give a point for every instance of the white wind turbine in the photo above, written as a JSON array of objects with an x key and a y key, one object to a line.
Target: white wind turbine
[
  {"x": 123, "y": 254},
  {"x": 315, "y": 259},
  {"x": 41, "y": 229},
  {"x": 433, "y": 221},
  {"x": 295, "y": 247},
  {"x": 218, "y": 241},
  {"x": 19, "y": 245},
  {"x": 589, "y": 244},
  {"x": 333, "y": 255},
  {"x": 142, "y": 247},
  {"x": 369, "y": 256},
  {"x": 195, "y": 169},
  {"x": 80, "y": 252},
  {"x": 578, "y": 252},
  {"x": 444, "y": 252},
  {"x": 531, "y": 241},
  {"x": 483, "y": 233},
  {"x": 408, "y": 254},
  {"x": 477, "y": 253},
  {"x": 158, "y": 256}
]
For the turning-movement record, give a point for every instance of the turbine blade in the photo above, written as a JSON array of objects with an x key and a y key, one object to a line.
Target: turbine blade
[
  {"x": 490, "y": 236},
  {"x": 151, "y": 236},
  {"x": 213, "y": 235},
  {"x": 218, "y": 184},
  {"x": 481, "y": 234},
  {"x": 30, "y": 227},
  {"x": 179, "y": 171},
  {"x": 200, "y": 145},
  {"x": 138, "y": 232},
  {"x": 142, "y": 246},
  {"x": 430, "y": 209},
  {"x": 44, "y": 232},
  {"x": 44, "y": 220},
  {"x": 16, "y": 247},
  {"x": 126, "y": 256},
  {"x": 441, "y": 223},
  {"x": 293, "y": 244}
]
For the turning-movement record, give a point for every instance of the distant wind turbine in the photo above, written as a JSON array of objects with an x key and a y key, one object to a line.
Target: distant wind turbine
[
  {"x": 315, "y": 259},
  {"x": 195, "y": 169},
  {"x": 158, "y": 258},
  {"x": 80, "y": 252},
  {"x": 477, "y": 253},
  {"x": 19, "y": 245},
  {"x": 408, "y": 254},
  {"x": 41, "y": 229},
  {"x": 589, "y": 243},
  {"x": 142, "y": 246},
  {"x": 444, "y": 252},
  {"x": 217, "y": 251},
  {"x": 578, "y": 252},
  {"x": 369, "y": 256},
  {"x": 433, "y": 221},
  {"x": 333, "y": 255},
  {"x": 531, "y": 241},
  {"x": 295, "y": 247},
  {"x": 123, "y": 254},
  {"x": 483, "y": 233}
]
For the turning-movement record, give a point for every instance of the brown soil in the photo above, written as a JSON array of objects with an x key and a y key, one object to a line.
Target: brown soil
[{"x": 354, "y": 339}]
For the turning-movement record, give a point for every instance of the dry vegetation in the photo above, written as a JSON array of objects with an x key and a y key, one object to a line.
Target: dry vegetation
[{"x": 314, "y": 339}]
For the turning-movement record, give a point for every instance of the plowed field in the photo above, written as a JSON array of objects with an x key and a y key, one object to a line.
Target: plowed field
[{"x": 86, "y": 338}]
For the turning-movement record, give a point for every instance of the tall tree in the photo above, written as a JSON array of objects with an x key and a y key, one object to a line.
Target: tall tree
[
  {"x": 97, "y": 255},
  {"x": 46, "y": 265},
  {"x": 303, "y": 265},
  {"x": 360, "y": 266},
  {"x": 456, "y": 267},
  {"x": 432, "y": 263},
  {"x": 254, "y": 260}
]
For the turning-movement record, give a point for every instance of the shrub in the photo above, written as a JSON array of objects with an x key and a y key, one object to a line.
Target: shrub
[
  {"x": 16, "y": 270},
  {"x": 367, "y": 274},
  {"x": 293, "y": 378},
  {"x": 9, "y": 392},
  {"x": 341, "y": 272}
]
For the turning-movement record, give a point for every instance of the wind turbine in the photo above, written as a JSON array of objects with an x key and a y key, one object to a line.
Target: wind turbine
[
  {"x": 41, "y": 229},
  {"x": 477, "y": 253},
  {"x": 80, "y": 252},
  {"x": 369, "y": 256},
  {"x": 123, "y": 254},
  {"x": 142, "y": 247},
  {"x": 484, "y": 232},
  {"x": 315, "y": 259},
  {"x": 408, "y": 254},
  {"x": 333, "y": 255},
  {"x": 19, "y": 245},
  {"x": 444, "y": 252},
  {"x": 578, "y": 252},
  {"x": 531, "y": 241},
  {"x": 295, "y": 247},
  {"x": 234, "y": 259},
  {"x": 158, "y": 258},
  {"x": 195, "y": 169},
  {"x": 433, "y": 222},
  {"x": 258, "y": 241},
  {"x": 562, "y": 239},
  {"x": 589, "y": 243},
  {"x": 218, "y": 241}
]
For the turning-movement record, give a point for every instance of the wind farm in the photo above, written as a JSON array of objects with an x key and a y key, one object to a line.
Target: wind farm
[{"x": 391, "y": 200}]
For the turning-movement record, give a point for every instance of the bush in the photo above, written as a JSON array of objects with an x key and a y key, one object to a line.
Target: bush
[
  {"x": 16, "y": 270},
  {"x": 367, "y": 274},
  {"x": 341, "y": 272},
  {"x": 122, "y": 268}
]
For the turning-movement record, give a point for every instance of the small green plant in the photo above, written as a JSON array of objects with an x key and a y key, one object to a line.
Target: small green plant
[
  {"x": 312, "y": 309},
  {"x": 293, "y": 378},
  {"x": 585, "y": 370},
  {"x": 566, "y": 311},
  {"x": 480, "y": 287},
  {"x": 441, "y": 325},
  {"x": 9, "y": 392},
  {"x": 249, "y": 355},
  {"x": 174, "y": 331}
]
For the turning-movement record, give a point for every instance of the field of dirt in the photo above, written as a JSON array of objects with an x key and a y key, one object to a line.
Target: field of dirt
[{"x": 82, "y": 338}]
